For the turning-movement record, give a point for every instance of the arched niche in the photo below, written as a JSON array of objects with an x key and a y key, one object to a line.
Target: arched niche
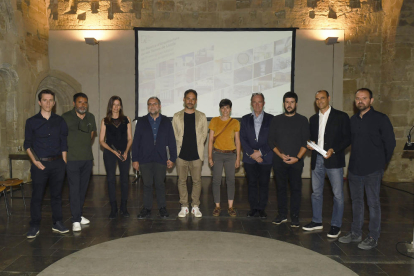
[
  {"x": 8, "y": 125},
  {"x": 64, "y": 87}
]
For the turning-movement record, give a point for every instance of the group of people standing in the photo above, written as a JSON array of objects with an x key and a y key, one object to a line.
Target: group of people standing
[{"x": 264, "y": 140}]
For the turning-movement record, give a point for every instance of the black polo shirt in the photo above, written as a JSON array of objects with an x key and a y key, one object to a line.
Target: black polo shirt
[
  {"x": 372, "y": 142},
  {"x": 47, "y": 137}
]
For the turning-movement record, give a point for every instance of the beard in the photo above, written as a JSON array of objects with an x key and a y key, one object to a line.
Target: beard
[
  {"x": 154, "y": 112},
  {"x": 81, "y": 110},
  {"x": 293, "y": 111},
  {"x": 362, "y": 107},
  {"x": 189, "y": 106}
]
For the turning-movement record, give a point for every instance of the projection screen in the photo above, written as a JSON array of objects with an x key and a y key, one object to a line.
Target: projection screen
[{"x": 217, "y": 63}]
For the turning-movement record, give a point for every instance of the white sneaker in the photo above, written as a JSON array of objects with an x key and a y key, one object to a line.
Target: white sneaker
[
  {"x": 84, "y": 220},
  {"x": 183, "y": 212},
  {"x": 76, "y": 227},
  {"x": 196, "y": 212}
]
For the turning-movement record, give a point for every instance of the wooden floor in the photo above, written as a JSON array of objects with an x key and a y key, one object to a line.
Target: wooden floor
[{"x": 20, "y": 256}]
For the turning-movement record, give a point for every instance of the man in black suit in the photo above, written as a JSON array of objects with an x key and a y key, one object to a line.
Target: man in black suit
[
  {"x": 330, "y": 130},
  {"x": 257, "y": 155}
]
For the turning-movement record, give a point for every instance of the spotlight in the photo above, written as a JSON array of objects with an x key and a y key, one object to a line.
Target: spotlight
[
  {"x": 91, "y": 41},
  {"x": 331, "y": 40}
]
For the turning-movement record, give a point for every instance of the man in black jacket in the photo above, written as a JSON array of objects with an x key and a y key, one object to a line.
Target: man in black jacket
[
  {"x": 330, "y": 130},
  {"x": 373, "y": 142},
  {"x": 153, "y": 134}
]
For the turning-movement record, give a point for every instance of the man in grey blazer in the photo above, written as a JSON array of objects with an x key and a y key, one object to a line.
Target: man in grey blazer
[{"x": 190, "y": 130}]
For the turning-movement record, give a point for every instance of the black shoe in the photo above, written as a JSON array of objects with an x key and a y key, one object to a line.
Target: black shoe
[
  {"x": 312, "y": 226},
  {"x": 123, "y": 209},
  {"x": 114, "y": 210},
  {"x": 279, "y": 219},
  {"x": 262, "y": 214},
  {"x": 334, "y": 232},
  {"x": 164, "y": 213},
  {"x": 33, "y": 232},
  {"x": 294, "y": 221},
  {"x": 144, "y": 214},
  {"x": 59, "y": 227},
  {"x": 252, "y": 213}
]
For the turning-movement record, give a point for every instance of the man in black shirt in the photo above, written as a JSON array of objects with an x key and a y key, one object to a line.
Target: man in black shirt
[
  {"x": 288, "y": 134},
  {"x": 373, "y": 142},
  {"x": 46, "y": 144},
  {"x": 190, "y": 130}
]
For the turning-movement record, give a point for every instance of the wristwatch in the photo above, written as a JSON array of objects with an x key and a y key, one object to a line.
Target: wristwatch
[{"x": 298, "y": 158}]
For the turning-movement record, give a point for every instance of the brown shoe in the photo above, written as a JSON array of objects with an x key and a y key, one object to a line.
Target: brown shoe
[
  {"x": 216, "y": 211},
  {"x": 232, "y": 212}
]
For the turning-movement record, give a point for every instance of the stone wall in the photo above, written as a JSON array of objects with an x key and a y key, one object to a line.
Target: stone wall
[
  {"x": 23, "y": 61},
  {"x": 379, "y": 44}
]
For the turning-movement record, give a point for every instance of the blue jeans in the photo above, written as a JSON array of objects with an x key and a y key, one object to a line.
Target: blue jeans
[
  {"x": 371, "y": 183},
  {"x": 337, "y": 182}
]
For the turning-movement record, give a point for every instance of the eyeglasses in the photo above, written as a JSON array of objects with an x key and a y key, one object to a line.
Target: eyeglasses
[{"x": 152, "y": 104}]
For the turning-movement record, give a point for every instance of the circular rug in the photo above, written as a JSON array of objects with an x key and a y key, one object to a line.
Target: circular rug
[{"x": 196, "y": 253}]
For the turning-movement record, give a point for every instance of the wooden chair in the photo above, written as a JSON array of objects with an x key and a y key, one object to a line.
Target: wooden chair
[
  {"x": 3, "y": 191},
  {"x": 12, "y": 183}
]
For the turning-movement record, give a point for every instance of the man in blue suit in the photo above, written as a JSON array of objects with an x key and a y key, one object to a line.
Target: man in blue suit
[
  {"x": 257, "y": 155},
  {"x": 153, "y": 133}
]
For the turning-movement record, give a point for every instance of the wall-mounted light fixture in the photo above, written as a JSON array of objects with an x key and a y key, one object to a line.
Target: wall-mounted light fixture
[
  {"x": 91, "y": 41},
  {"x": 331, "y": 40}
]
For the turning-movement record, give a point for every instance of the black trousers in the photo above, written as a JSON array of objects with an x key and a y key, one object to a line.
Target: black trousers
[
  {"x": 258, "y": 177},
  {"x": 79, "y": 173},
  {"x": 54, "y": 174},
  {"x": 110, "y": 161},
  {"x": 153, "y": 173},
  {"x": 285, "y": 173}
]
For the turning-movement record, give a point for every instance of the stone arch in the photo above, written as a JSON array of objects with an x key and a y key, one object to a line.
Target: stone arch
[
  {"x": 8, "y": 126},
  {"x": 64, "y": 87}
]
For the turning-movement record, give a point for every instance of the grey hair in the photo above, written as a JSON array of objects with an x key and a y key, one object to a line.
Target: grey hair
[{"x": 154, "y": 97}]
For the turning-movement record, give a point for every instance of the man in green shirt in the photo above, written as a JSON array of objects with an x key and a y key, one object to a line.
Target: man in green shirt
[{"x": 82, "y": 128}]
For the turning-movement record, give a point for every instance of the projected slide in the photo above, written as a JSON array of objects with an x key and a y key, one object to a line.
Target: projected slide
[{"x": 217, "y": 64}]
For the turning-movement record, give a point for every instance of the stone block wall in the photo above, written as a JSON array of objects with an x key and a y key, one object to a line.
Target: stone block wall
[
  {"x": 379, "y": 42},
  {"x": 24, "y": 32}
]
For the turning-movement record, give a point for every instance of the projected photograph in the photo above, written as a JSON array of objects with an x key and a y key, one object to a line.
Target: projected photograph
[
  {"x": 147, "y": 74},
  {"x": 166, "y": 98},
  {"x": 204, "y": 55},
  {"x": 165, "y": 68},
  {"x": 243, "y": 74},
  {"x": 164, "y": 83},
  {"x": 184, "y": 62},
  {"x": 242, "y": 89},
  {"x": 223, "y": 65},
  {"x": 263, "y": 52},
  {"x": 147, "y": 89},
  {"x": 223, "y": 80},
  {"x": 282, "y": 62},
  {"x": 263, "y": 68},
  {"x": 184, "y": 78},
  {"x": 283, "y": 46},
  {"x": 262, "y": 84},
  {"x": 243, "y": 59},
  {"x": 204, "y": 71},
  {"x": 280, "y": 78},
  {"x": 205, "y": 86},
  {"x": 179, "y": 94},
  {"x": 217, "y": 66}
]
